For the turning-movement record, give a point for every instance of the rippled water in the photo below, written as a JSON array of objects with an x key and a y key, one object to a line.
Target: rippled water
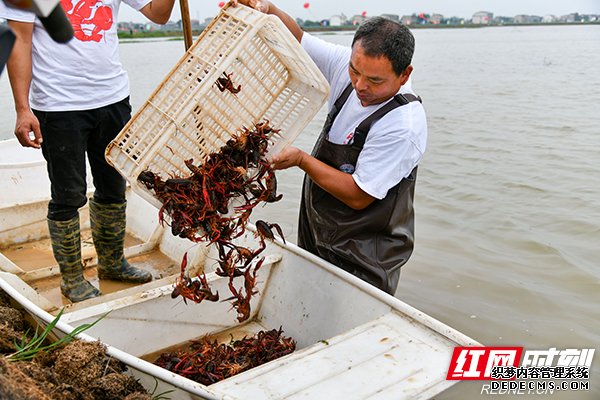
[{"x": 508, "y": 195}]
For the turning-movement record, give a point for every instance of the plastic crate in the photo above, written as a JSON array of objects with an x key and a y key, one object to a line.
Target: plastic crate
[{"x": 188, "y": 117}]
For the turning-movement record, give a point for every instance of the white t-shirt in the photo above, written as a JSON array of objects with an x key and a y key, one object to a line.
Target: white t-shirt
[
  {"x": 84, "y": 73},
  {"x": 395, "y": 143}
]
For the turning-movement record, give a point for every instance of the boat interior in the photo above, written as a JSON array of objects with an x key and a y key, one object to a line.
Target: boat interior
[{"x": 346, "y": 331}]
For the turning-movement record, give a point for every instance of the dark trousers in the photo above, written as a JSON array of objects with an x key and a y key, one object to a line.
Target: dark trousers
[{"x": 67, "y": 137}]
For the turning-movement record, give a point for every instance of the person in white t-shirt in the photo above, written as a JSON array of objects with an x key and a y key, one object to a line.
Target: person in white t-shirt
[
  {"x": 71, "y": 100},
  {"x": 357, "y": 201}
]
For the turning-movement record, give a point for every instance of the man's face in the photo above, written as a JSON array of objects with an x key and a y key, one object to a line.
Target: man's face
[{"x": 373, "y": 78}]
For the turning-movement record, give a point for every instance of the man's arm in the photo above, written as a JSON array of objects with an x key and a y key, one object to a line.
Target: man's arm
[
  {"x": 267, "y": 7},
  {"x": 19, "y": 74},
  {"x": 337, "y": 183},
  {"x": 158, "y": 11}
]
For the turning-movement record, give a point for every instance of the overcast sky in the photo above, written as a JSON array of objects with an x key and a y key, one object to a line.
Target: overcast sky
[{"x": 321, "y": 9}]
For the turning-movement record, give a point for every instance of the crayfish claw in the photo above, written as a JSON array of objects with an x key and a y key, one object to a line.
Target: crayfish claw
[{"x": 265, "y": 230}]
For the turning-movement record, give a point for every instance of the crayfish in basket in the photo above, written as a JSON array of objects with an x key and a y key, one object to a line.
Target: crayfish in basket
[
  {"x": 225, "y": 83},
  {"x": 198, "y": 207}
]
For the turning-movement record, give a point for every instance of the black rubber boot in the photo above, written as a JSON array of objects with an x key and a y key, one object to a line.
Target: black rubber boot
[
  {"x": 66, "y": 245},
  {"x": 108, "y": 232}
]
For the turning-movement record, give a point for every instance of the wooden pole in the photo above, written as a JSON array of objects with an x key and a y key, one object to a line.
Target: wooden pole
[{"x": 186, "y": 24}]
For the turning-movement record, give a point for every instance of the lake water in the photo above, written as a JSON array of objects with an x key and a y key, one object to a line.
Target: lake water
[{"x": 508, "y": 195}]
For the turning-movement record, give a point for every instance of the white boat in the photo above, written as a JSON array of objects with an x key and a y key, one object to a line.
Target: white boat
[{"x": 353, "y": 341}]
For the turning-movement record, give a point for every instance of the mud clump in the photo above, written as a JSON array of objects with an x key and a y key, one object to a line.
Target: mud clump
[
  {"x": 16, "y": 385},
  {"x": 12, "y": 324},
  {"x": 8, "y": 336},
  {"x": 113, "y": 385},
  {"x": 11, "y": 318},
  {"x": 80, "y": 363},
  {"x": 79, "y": 370}
]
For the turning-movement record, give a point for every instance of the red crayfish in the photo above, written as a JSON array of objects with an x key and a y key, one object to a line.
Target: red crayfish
[
  {"x": 198, "y": 209},
  {"x": 225, "y": 83},
  {"x": 206, "y": 361}
]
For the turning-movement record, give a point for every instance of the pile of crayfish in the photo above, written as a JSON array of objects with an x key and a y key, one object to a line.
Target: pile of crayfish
[
  {"x": 208, "y": 362},
  {"x": 198, "y": 207}
]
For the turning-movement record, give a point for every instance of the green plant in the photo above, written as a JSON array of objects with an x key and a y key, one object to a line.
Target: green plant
[
  {"x": 161, "y": 395},
  {"x": 29, "y": 348}
]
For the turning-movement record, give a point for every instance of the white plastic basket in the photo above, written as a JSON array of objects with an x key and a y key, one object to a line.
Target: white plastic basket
[{"x": 188, "y": 117}]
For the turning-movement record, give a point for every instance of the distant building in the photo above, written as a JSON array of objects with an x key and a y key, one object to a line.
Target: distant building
[
  {"x": 393, "y": 17},
  {"x": 503, "y": 20},
  {"x": 409, "y": 19},
  {"x": 121, "y": 26},
  {"x": 171, "y": 26},
  {"x": 573, "y": 17},
  {"x": 338, "y": 20},
  {"x": 358, "y": 19},
  {"x": 527, "y": 19},
  {"x": 195, "y": 24},
  {"x": 436, "y": 19},
  {"x": 482, "y": 17},
  {"x": 520, "y": 19},
  {"x": 132, "y": 27},
  {"x": 547, "y": 19},
  {"x": 454, "y": 21},
  {"x": 423, "y": 18}
]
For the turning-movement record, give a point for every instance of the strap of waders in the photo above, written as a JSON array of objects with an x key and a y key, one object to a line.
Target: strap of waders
[{"x": 361, "y": 132}]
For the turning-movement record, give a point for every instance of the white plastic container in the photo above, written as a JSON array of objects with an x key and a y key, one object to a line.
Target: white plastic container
[{"x": 188, "y": 117}]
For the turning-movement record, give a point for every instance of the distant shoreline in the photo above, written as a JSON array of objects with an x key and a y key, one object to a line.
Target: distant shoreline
[
  {"x": 334, "y": 29},
  {"x": 445, "y": 26}
]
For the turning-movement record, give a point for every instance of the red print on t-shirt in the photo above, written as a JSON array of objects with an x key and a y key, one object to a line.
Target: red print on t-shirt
[{"x": 90, "y": 18}]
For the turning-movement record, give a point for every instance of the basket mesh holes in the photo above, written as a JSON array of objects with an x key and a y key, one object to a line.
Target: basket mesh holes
[
  {"x": 295, "y": 97},
  {"x": 202, "y": 145},
  {"x": 206, "y": 117},
  {"x": 253, "y": 65}
]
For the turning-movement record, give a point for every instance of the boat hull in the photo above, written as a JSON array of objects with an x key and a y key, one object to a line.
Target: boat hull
[{"x": 353, "y": 340}]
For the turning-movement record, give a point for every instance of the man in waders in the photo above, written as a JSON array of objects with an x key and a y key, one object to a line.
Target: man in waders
[
  {"x": 76, "y": 97},
  {"x": 357, "y": 201}
]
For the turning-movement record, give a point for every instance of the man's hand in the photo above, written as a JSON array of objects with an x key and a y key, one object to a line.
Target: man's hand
[
  {"x": 267, "y": 7},
  {"x": 339, "y": 184},
  {"x": 27, "y": 123},
  {"x": 259, "y": 5},
  {"x": 288, "y": 157}
]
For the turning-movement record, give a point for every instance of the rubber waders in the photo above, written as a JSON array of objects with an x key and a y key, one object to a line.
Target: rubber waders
[
  {"x": 66, "y": 245},
  {"x": 108, "y": 233}
]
